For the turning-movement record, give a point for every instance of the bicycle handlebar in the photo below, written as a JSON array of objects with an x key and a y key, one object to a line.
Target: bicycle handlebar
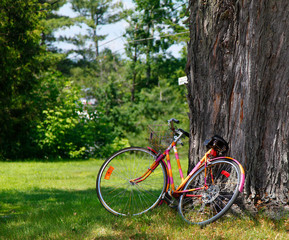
[
  {"x": 184, "y": 132},
  {"x": 171, "y": 124}
]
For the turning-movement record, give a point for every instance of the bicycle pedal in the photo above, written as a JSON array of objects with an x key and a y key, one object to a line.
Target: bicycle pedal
[
  {"x": 172, "y": 203},
  {"x": 167, "y": 197}
]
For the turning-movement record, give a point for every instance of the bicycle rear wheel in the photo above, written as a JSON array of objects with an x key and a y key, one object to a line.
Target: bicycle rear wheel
[
  {"x": 222, "y": 179},
  {"x": 120, "y": 196}
]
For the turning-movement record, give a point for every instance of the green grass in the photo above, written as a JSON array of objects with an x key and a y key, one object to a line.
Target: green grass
[{"x": 57, "y": 200}]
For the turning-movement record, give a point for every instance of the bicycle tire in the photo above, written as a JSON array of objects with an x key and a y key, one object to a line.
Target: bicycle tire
[
  {"x": 202, "y": 206},
  {"x": 118, "y": 195}
]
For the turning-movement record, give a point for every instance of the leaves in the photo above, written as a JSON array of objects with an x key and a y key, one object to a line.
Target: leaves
[
  {"x": 40, "y": 87},
  {"x": 70, "y": 130},
  {"x": 94, "y": 14}
]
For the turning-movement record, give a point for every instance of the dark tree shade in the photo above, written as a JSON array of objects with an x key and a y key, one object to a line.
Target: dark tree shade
[{"x": 238, "y": 70}]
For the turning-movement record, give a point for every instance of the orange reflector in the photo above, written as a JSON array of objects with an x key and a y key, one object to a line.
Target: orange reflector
[
  {"x": 109, "y": 172},
  {"x": 225, "y": 173}
]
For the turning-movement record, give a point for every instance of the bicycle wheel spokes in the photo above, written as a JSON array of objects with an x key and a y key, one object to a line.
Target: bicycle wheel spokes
[
  {"x": 207, "y": 205},
  {"x": 121, "y": 196}
]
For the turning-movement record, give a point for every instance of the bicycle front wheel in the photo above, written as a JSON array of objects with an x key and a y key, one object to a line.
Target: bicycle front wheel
[
  {"x": 211, "y": 191},
  {"x": 118, "y": 194}
]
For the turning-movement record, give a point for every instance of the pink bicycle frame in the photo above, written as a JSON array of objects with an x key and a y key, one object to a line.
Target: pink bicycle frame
[{"x": 203, "y": 161}]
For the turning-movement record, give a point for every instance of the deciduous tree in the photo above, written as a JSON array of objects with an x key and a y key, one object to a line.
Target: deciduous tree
[{"x": 238, "y": 73}]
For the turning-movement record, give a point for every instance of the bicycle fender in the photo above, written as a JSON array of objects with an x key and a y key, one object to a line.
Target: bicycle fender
[{"x": 241, "y": 187}]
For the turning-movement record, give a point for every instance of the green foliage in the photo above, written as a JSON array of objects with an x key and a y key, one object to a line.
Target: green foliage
[
  {"x": 71, "y": 130},
  {"x": 51, "y": 22},
  {"x": 40, "y": 113},
  {"x": 21, "y": 57},
  {"x": 94, "y": 14},
  {"x": 147, "y": 46}
]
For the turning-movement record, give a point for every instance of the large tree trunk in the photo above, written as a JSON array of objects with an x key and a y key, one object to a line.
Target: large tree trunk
[{"x": 238, "y": 71}]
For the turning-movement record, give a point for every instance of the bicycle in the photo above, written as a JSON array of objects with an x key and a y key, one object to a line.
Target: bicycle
[{"x": 134, "y": 180}]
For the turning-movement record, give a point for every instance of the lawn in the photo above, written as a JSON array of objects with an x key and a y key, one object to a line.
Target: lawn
[{"x": 57, "y": 200}]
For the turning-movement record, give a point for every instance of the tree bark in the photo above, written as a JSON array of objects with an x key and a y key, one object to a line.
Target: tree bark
[{"x": 238, "y": 72}]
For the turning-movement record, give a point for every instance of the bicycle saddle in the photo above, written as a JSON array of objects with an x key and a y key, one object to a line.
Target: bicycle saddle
[{"x": 218, "y": 143}]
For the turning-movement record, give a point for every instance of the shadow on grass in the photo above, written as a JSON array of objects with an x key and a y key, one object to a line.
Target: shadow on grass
[
  {"x": 62, "y": 214},
  {"x": 49, "y": 160},
  {"x": 72, "y": 214},
  {"x": 41, "y": 213}
]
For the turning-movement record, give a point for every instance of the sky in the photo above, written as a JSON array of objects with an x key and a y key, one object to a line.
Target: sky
[{"x": 114, "y": 41}]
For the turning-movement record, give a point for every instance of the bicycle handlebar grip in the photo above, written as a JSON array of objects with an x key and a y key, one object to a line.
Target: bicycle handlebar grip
[
  {"x": 174, "y": 120},
  {"x": 184, "y": 132}
]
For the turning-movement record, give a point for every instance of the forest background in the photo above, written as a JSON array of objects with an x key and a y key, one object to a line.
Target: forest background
[{"x": 85, "y": 102}]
